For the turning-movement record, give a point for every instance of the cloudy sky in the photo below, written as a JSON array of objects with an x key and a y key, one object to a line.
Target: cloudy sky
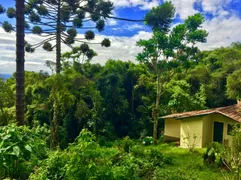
[{"x": 223, "y": 22}]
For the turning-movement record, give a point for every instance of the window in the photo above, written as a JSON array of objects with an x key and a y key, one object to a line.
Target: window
[{"x": 230, "y": 128}]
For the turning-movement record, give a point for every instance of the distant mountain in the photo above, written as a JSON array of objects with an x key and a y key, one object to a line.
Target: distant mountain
[{"x": 5, "y": 76}]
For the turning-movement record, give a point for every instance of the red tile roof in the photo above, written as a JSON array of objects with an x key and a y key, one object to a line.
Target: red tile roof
[{"x": 232, "y": 112}]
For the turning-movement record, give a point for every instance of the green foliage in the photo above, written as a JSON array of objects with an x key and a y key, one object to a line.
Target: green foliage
[
  {"x": 180, "y": 99},
  {"x": 64, "y": 18},
  {"x": 127, "y": 144},
  {"x": 2, "y": 10},
  {"x": 213, "y": 154},
  {"x": 11, "y": 13},
  {"x": 37, "y": 30},
  {"x": 6, "y": 102},
  {"x": 174, "y": 174},
  {"x": 148, "y": 140},
  {"x": 232, "y": 154},
  {"x": 83, "y": 159},
  {"x": 81, "y": 54},
  {"x": 161, "y": 17},
  {"x": 89, "y": 35},
  {"x": 20, "y": 150},
  {"x": 234, "y": 85},
  {"x": 28, "y": 48},
  {"x": 105, "y": 43},
  {"x": 7, "y": 27},
  {"x": 47, "y": 46},
  {"x": 165, "y": 53}
]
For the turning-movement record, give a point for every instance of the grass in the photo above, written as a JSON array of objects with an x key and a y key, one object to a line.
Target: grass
[{"x": 190, "y": 164}]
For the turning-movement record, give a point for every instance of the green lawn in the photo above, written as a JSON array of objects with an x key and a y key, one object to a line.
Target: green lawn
[{"x": 187, "y": 165}]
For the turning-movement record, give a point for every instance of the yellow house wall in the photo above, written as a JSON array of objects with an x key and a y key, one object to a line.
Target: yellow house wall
[
  {"x": 172, "y": 128},
  {"x": 225, "y": 120},
  {"x": 190, "y": 128},
  {"x": 207, "y": 136}
]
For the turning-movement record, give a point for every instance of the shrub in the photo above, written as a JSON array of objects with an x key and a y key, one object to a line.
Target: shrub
[
  {"x": 138, "y": 151},
  {"x": 213, "y": 154},
  {"x": 86, "y": 159},
  {"x": 83, "y": 159},
  {"x": 20, "y": 150},
  {"x": 127, "y": 144},
  {"x": 158, "y": 159},
  {"x": 148, "y": 140},
  {"x": 232, "y": 155}
]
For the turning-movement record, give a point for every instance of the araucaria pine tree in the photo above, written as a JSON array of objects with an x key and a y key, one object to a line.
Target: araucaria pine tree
[{"x": 59, "y": 20}]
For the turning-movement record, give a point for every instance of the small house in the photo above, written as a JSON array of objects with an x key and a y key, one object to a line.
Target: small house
[{"x": 199, "y": 128}]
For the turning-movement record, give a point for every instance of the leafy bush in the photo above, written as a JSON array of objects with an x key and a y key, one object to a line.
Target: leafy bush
[
  {"x": 127, "y": 144},
  {"x": 138, "y": 151},
  {"x": 232, "y": 154},
  {"x": 148, "y": 140},
  {"x": 213, "y": 154},
  {"x": 83, "y": 159},
  {"x": 158, "y": 159},
  {"x": 20, "y": 150},
  {"x": 86, "y": 159}
]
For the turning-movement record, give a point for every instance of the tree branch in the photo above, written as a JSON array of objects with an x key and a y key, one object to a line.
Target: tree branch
[
  {"x": 111, "y": 17},
  {"x": 42, "y": 42}
]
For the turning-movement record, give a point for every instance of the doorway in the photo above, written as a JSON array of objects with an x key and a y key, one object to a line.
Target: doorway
[{"x": 218, "y": 132}]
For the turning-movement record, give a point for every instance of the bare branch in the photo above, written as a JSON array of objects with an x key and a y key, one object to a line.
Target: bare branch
[
  {"x": 67, "y": 43},
  {"x": 42, "y": 42}
]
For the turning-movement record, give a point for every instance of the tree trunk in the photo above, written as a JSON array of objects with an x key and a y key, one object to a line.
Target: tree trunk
[
  {"x": 156, "y": 111},
  {"x": 58, "y": 40},
  {"x": 55, "y": 124},
  {"x": 20, "y": 62}
]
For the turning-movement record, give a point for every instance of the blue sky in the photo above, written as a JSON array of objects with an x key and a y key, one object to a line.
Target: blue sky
[{"x": 223, "y": 22}]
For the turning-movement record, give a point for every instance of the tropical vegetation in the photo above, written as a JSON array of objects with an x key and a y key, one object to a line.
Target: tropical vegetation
[{"x": 92, "y": 121}]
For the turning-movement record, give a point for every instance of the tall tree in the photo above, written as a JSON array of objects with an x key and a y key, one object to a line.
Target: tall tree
[
  {"x": 58, "y": 20},
  {"x": 20, "y": 62},
  {"x": 167, "y": 50},
  {"x": 20, "y": 43}
]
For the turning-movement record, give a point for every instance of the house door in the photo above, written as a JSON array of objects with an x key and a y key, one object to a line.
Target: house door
[{"x": 218, "y": 132}]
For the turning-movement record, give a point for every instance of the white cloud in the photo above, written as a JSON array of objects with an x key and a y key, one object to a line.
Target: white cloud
[
  {"x": 223, "y": 30},
  {"x": 148, "y": 5},
  {"x": 122, "y": 48},
  {"x": 111, "y": 22},
  {"x": 142, "y": 4},
  {"x": 129, "y": 27},
  {"x": 184, "y": 8},
  {"x": 214, "y": 7}
]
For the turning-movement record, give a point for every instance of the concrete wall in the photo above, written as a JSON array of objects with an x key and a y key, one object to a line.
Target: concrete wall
[
  {"x": 191, "y": 132},
  {"x": 172, "y": 128}
]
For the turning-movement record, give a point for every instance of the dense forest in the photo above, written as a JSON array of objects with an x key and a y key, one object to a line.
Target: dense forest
[
  {"x": 92, "y": 121},
  {"x": 116, "y": 100}
]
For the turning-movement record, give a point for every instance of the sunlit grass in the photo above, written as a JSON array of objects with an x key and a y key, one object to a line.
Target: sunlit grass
[{"x": 189, "y": 163}]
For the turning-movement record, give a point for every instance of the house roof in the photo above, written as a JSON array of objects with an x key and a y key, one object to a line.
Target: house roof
[{"x": 233, "y": 112}]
